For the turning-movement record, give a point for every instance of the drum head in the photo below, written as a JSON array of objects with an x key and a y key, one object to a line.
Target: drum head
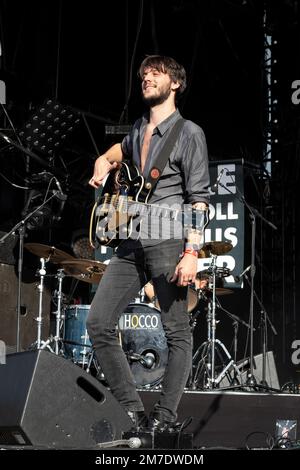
[{"x": 144, "y": 343}]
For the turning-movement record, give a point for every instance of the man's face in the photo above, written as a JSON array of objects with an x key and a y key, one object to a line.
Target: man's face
[{"x": 156, "y": 87}]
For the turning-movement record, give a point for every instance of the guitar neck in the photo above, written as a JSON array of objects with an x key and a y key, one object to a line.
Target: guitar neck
[
  {"x": 152, "y": 210},
  {"x": 126, "y": 205}
]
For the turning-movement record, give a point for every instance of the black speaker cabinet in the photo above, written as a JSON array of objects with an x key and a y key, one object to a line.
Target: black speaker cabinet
[
  {"x": 271, "y": 375},
  {"x": 48, "y": 401},
  {"x": 29, "y": 309}
]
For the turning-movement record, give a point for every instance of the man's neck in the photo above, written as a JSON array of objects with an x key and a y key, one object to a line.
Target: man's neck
[{"x": 159, "y": 113}]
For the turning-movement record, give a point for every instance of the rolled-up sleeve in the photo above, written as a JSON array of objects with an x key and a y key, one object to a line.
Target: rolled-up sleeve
[
  {"x": 127, "y": 143},
  {"x": 126, "y": 146},
  {"x": 195, "y": 168}
]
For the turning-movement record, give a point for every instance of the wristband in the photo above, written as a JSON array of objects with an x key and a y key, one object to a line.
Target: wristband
[
  {"x": 190, "y": 251},
  {"x": 192, "y": 246}
]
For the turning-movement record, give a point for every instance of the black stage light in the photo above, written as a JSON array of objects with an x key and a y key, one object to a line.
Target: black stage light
[{"x": 49, "y": 126}]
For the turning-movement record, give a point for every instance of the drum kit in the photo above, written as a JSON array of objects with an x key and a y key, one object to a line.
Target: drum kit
[{"x": 140, "y": 329}]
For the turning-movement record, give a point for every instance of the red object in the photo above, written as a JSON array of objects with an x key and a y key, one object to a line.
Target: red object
[
  {"x": 190, "y": 251},
  {"x": 154, "y": 173}
]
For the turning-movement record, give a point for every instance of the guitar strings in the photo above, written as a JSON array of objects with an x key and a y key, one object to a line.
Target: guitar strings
[
  {"x": 129, "y": 202},
  {"x": 123, "y": 203}
]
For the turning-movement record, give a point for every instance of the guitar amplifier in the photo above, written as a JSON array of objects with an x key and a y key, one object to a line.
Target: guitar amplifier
[{"x": 29, "y": 309}]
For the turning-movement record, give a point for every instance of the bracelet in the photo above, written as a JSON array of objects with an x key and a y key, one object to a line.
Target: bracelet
[
  {"x": 190, "y": 251},
  {"x": 192, "y": 246}
]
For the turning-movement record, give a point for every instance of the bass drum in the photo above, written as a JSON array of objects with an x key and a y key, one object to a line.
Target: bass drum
[{"x": 144, "y": 343}]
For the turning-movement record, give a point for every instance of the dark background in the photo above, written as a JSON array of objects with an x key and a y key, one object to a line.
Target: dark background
[{"x": 86, "y": 55}]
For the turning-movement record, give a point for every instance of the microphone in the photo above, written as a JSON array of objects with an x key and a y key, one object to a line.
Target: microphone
[
  {"x": 132, "y": 443},
  {"x": 148, "y": 360},
  {"x": 60, "y": 194},
  {"x": 215, "y": 186},
  {"x": 58, "y": 185},
  {"x": 239, "y": 278}
]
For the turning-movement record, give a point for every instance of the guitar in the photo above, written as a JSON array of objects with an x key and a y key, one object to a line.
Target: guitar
[{"x": 123, "y": 205}]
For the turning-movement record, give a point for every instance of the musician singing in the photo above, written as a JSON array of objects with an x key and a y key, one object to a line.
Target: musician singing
[{"x": 171, "y": 262}]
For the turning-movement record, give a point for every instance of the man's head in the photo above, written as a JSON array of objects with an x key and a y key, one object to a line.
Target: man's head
[{"x": 160, "y": 77}]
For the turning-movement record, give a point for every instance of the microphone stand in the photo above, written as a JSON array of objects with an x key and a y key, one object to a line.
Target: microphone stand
[
  {"x": 20, "y": 227},
  {"x": 235, "y": 323},
  {"x": 264, "y": 318},
  {"x": 251, "y": 382}
]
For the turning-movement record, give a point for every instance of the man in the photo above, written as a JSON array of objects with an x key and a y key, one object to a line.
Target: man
[{"x": 170, "y": 263}]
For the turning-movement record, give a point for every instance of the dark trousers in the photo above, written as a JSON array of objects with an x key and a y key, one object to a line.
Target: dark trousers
[{"x": 128, "y": 271}]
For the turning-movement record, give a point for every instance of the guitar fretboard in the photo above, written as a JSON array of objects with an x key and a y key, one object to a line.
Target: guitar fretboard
[{"x": 126, "y": 205}]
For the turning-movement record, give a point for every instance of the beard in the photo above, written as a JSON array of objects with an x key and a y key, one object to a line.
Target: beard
[{"x": 160, "y": 98}]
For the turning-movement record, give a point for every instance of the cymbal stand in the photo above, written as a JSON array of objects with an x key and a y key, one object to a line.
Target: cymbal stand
[
  {"x": 59, "y": 316},
  {"x": 263, "y": 325},
  {"x": 46, "y": 344},
  {"x": 39, "y": 319},
  {"x": 235, "y": 339},
  {"x": 212, "y": 308},
  {"x": 212, "y": 346}
]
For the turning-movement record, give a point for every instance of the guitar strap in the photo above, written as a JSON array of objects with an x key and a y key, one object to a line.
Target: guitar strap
[{"x": 162, "y": 158}]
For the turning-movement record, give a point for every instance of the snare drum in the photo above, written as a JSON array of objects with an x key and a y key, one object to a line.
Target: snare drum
[
  {"x": 76, "y": 340},
  {"x": 144, "y": 343}
]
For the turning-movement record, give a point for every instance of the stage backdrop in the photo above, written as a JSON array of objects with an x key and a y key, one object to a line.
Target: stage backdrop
[{"x": 227, "y": 216}]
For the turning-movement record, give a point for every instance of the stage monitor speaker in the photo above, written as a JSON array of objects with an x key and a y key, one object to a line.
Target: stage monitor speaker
[
  {"x": 47, "y": 401},
  {"x": 271, "y": 371},
  {"x": 29, "y": 309}
]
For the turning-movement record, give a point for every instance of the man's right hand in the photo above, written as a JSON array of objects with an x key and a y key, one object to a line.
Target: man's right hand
[{"x": 101, "y": 169}]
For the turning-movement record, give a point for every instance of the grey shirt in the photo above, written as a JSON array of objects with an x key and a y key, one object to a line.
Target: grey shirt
[{"x": 185, "y": 178}]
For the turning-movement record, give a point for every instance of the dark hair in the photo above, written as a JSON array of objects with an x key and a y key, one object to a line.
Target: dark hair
[{"x": 167, "y": 65}]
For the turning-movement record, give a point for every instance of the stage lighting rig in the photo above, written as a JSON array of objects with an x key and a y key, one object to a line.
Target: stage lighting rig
[{"x": 49, "y": 127}]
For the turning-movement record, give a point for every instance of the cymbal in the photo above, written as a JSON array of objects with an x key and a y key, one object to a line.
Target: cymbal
[
  {"x": 220, "y": 272},
  {"x": 48, "y": 252},
  {"x": 87, "y": 270},
  {"x": 214, "y": 248}
]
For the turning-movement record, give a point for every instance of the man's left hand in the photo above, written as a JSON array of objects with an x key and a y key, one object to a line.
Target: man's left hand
[{"x": 186, "y": 270}]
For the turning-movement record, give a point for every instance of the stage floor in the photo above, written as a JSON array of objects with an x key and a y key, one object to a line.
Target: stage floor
[
  {"x": 47, "y": 401},
  {"x": 235, "y": 419}
]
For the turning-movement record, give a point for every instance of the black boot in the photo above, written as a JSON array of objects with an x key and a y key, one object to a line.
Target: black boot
[
  {"x": 159, "y": 422},
  {"x": 139, "y": 420}
]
